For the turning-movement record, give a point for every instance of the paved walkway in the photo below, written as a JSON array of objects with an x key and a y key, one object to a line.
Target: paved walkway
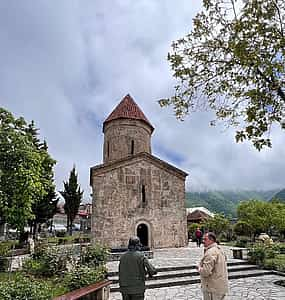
[
  {"x": 172, "y": 257},
  {"x": 259, "y": 288},
  {"x": 254, "y": 288}
]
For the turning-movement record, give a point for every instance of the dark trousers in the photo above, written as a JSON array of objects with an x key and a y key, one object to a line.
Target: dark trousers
[
  {"x": 133, "y": 296},
  {"x": 199, "y": 241}
]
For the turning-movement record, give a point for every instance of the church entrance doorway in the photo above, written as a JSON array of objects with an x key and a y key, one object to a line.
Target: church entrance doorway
[{"x": 142, "y": 233}]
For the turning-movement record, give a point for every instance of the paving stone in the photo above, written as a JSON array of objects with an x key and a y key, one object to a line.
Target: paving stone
[
  {"x": 240, "y": 289},
  {"x": 253, "y": 288}
]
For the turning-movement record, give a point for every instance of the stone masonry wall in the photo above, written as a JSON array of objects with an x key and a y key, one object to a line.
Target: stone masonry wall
[
  {"x": 118, "y": 137},
  {"x": 118, "y": 206}
]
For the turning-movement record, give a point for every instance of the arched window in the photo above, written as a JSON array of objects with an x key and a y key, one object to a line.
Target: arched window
[
  {"x": 143, "y": 196},
  {"x": 132, "y": 147}
]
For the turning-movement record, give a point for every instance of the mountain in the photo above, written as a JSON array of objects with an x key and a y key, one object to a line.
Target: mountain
[
  {"x": 279, "y": 196},
  {"x": 225, "y": 201}
]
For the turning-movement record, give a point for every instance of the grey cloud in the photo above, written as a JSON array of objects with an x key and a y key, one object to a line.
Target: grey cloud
[{"x": 67, "y": 64}]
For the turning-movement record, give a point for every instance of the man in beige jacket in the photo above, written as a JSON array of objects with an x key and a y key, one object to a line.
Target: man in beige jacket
[{"x": 213, "y": 270}]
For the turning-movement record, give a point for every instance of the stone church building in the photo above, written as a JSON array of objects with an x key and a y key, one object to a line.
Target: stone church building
[{"x": 134, "y": 192}]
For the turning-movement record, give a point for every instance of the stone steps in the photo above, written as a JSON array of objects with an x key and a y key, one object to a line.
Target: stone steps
[
  {"x": 186, "y": 267},
  {"x": 184, "y": 275}
]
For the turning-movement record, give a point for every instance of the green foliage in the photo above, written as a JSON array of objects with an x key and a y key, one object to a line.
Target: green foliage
[
  {"x": 72, "y": 195},
  {"x": 94, "y": 256},
  {"x": 276, "y": 263},
  {"x": 280, "y": 196},
  {"x": 242, "y": 242},
  {"x": 75, "y": 238},
  {"x": 5, "y": 248},
  {"x": 262, "y": 216},
  {"x": 45, "y": 206},
  {"x": 20, "y": 171},
  {"x": 257, "y": 254},
  {"x": 89, "y": 269},
  {"x": 224, "y": 201},
  {"x": 235, "y": 58},
  {"x": 4, "y": 264},
  {"x": 243, "y": 228},
  {"x": 192, "y": 228},
  {"x": 218, "y": 224},
  {"x": 24, "y": 288},
  {"x": 49, "y": 261},
  {"x": 260, "y": 252},
  {"x": 83, "y": 276},
  {"x": 59, "y": 269}
]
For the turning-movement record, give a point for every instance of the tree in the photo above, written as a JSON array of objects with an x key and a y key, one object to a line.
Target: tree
[
  {"x": 20, "y": 171},
  {"x": 43, "y": 210},
  {"x": 233, "y": 61},
  {"x": 243, "y": 228},
  {"x": 43, "y": 207},
  {"x": 257, "y": 214},
  {"x": 277, "y": 214},
  {"x": 72, "y": 196},
  {"x": 262, "y": 216},
  {"x": 217, "y": 224}
]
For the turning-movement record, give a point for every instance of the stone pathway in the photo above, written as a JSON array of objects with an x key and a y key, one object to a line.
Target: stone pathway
[
  {"x": 260, "y": 288},
  {"x": 173, "y": 257},
  {"x": 254, "y": 288}
]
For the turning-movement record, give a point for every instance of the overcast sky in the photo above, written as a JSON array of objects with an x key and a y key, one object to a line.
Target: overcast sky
[{"x": 67, "y": 64}]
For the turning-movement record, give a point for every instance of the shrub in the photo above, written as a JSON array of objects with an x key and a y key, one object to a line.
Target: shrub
[
  {"x": 270, "y": 264},
  {"x": 257, "y": 254},
  {"x": 94, "y": 256},
  {"x": 48, "y": 261},
  {"x": 5, "y": 248},
  {"x": 260, "y": 252},
  {"x": 33, "y": 267},
  {"x": 281, "y": 248},
  {"x": 275, "y": 264},
  {"x": 83, "y": 276},
  {"x": 4, "y": 264},
  {"x": 24, "y": 288}
]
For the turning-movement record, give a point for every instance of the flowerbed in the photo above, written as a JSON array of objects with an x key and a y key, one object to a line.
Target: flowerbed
[{"x": 53, "y": 271}]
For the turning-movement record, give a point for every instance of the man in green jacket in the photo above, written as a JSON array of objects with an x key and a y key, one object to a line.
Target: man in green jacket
[{"x": 133, "y": 268}]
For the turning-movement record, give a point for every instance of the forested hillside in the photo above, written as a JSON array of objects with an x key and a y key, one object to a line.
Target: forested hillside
[
  {"x": 279, "y": 196},
  {"x": 225, "y": 201}
]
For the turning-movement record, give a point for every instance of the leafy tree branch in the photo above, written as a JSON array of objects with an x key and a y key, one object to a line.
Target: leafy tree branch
[{"x": 234, "y": 58}]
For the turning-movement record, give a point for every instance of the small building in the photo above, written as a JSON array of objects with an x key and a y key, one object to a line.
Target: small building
[
  {"x": 198, "y": 214},
  {"x": 134, "y": 192}
]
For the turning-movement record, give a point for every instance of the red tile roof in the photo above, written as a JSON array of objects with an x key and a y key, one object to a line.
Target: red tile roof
[{"x": 127, "y": 109}]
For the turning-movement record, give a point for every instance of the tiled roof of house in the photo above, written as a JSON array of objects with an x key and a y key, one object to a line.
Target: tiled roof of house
[
  {"x": 127, "y": 109},
  {"x": 196, "y": 213}
]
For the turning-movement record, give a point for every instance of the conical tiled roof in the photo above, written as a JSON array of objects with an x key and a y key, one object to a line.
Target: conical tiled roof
[{"x": 127, "y": 109}]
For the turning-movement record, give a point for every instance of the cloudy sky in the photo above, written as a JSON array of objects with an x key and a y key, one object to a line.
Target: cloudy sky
[{"x": 67, "y": 64}]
